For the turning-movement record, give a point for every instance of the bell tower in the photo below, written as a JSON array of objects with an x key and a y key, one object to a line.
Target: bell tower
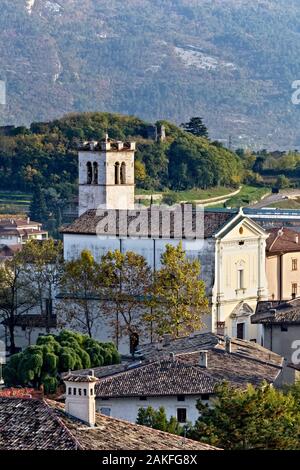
[{"x": 106, "y": 175}]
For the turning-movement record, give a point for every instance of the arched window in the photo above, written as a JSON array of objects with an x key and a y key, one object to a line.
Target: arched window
[
  {"x": 89, "y": 171},
  {"x": 123, "y": 173},
  {"x": 95, "y": 173},
  {"x": 117, "y": 173}
]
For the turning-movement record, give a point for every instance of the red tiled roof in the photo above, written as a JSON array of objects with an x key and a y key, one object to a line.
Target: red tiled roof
[
  {"x": 283, "y": 240},
  {"x": 88, "y": 223}
]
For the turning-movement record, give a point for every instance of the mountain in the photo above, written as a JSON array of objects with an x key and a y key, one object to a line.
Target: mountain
[{"x": 232, "y": 62}]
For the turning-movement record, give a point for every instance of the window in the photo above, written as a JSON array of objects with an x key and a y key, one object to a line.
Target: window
[
  {"x": 123, "y": 173},
  {"x": 89, "y": 171},
  {"x": 294, "y": 264},
  {"x": 117, "y": 173},
  {"x": 69, "y": 391},
  {"x": 294, "y": 290},
  {"x": 240, "y": 330},
  {"x": 205, "y": 396},
  {"x": 84, "y": 392},
  {"x": 79, "y": 391},
  {"x": 95, "y": 173},
  {"x": 92, "y": 391},
  {"x": 74, "y": 391},
  {"x": 240, "y": 279},
  {"x": 180, "y": 398},
  {"x": 105, "y": 411},
  {"x": 181, "y": 415}
]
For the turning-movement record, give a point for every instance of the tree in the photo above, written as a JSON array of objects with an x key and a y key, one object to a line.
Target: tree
[
  {"x": 79, "y": 291},
  {"x": 17, "y": 295},
  {"x": 178, "y": 295},
  {"x": 157, "y": 419},
  {"x": 255, "y": 418},
  {"x": 170, "y": 198},
  {"x": 126, "y": 281},
  {"x": 282, "y": 182},
  {"x": 196, "y": 127},
  {"x": 38, "y": 208},
  {"x": 43, "y": 264},
  {"x": 43, "y": 363}
]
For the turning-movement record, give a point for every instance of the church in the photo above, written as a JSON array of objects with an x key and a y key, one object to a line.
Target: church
[{"x": 230, "y": 246}]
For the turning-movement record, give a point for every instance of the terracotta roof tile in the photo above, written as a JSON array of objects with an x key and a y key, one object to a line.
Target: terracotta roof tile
[
  {"x": 279, "y": 311},
  {"x": 28, "y": 424},
  {"x": 282, "y": 240},
  {"x": 89, "y": 222},
  {"x": 115, "y": 434}
]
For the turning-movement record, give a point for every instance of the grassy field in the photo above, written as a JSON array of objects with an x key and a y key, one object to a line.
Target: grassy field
[
  {"x": 247, "y": 195},
  {"x": 14, "y": 202},
  {"x": 287, "y": 204},
  {"x": 193, "y": 194}
]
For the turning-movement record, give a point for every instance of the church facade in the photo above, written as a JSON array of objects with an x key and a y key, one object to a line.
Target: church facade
[{"x": 231, "y": 247}]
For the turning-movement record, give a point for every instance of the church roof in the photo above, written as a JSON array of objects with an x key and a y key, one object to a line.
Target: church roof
[{"x": 89, "y": 223}]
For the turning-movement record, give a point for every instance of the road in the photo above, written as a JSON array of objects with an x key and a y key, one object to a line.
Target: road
[{"x": 284, "y": 193}]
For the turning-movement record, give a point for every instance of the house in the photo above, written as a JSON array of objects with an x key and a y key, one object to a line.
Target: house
[
  {"x": 283, "y": 263},
  {"x": 31, "y": 424},
  {"x": 229, "y": 245},
  {"x": 8, "y": 251},
  {"x": 28, "y": 327},
  {"x": 16, "y": 231},
  {"x": 177, "y": 373},
  {"x": 281, "y": 332}
]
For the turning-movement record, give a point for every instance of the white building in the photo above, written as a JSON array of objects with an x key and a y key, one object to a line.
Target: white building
[
  {"x": 177, "y": 373},
  {"x": 231, "y": 247},
  {"x": 16, "y": 231}
]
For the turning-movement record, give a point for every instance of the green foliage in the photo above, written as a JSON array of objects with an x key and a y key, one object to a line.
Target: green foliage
[
  {"x": 130, "y": 63},
  {"x": 157, "y": 419},
  {"x": 196, "y": 127},
  {"x": 43, "y": 160},
  {"x": 282, "y": 182},
  {"x": 80, "y": 281},
  {"x": 178, "y": 295},
  {"x": 258, "y": 418},
  {"x": 52, "y": 355},
  {"x": 170, "y": 198}
]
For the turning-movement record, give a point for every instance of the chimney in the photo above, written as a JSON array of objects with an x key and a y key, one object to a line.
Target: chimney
[
  {"x": 172, "y": 356},
  {"x": 228, "y": 345},
  {"x": 120, "y": 145},
  {"x": 297, "y": 238},
  {"x": 167, "y": 339},
  {"x": 203, "y": 359},
  {"x": 80, "y": 397}
]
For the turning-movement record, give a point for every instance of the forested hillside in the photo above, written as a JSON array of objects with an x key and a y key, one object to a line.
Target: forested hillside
[
  {"x": 43, "y": 159},
  {"x": 231, "y": 61}
]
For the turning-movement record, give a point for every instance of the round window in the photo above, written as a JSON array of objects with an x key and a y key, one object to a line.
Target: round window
[{"x": 241, "y": 230}]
